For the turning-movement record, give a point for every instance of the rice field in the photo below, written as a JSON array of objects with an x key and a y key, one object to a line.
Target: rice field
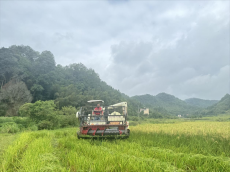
[{"x": 183, "y": 146}]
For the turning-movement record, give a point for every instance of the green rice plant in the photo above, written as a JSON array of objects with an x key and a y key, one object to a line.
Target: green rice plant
[
  {"x": 13, "y": 153},
  {"x": 40, "y": 156},
  {"x": 5, "y": 140},
  {"x": 84, "y": 156},
  {"x": 210, "y": 144},
  {"x": 179, "y": 146}
]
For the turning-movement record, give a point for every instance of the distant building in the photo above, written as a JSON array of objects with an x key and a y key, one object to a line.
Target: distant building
[
  {"x": 145, "y": 110},
  {"x": 179, "y": 116}
]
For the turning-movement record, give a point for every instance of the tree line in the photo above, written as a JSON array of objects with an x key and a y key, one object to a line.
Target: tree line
[{"x": 28, "y": 76}]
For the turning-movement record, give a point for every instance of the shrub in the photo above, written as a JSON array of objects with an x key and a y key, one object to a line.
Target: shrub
[
  {"x": 25, "y": 109},
  {"x": 33, "y": 128},
  {"x": 10, "y": 127},
  {"x": 69, "y": 110},
  {"x": 43, "y": 113},
  {"x": 46, "y": 115},
  {"x": 6, "y": 119},
  {"x": 45, "y": 125},
  {"x": 68, "y": 120},
  {"x": 133, "y": 123},
  {"x": 134, "y": 118},
  {"x": 24, "y": 121},
  {"x": 3, "y": 109},
  {"x": 39, "y": 111}
]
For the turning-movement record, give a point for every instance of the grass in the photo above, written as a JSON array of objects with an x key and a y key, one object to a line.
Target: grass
[
  {"x": 222, "y": 117},
  {"x": 5, "y": 141},
  {"x": 178, "y": 146}
]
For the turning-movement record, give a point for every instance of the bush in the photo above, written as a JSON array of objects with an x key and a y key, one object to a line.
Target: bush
[
  {"x": 10, "y": 127},
  {"x": 33, "y": 128},
  {"x": 45, "y": 125},
  {"x": 39, "y": 111},
  {"x": 25, "y": 109},
  {"x": 46, "y": 115},
  {"x": 135, "y": 118},
  {"x": 68, "y": 120},
  {"x": 69, "y": 110},
  {"x": 133, "y": 123},
  {"x": 3, "y": 109},
  {"x": 6, "y": 119},
  {"x": 155, "y": 115},
  {"x": 22, "y": 121},
  {"x": 43, "y": 113}
]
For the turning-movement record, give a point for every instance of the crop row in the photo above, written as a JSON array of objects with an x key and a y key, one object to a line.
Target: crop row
[{"x": 153, "y": 150}]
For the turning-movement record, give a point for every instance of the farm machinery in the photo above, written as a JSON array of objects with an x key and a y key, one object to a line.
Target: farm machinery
[{"x": 104, "y": 121}]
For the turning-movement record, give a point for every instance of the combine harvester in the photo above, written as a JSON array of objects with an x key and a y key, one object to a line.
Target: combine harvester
[{"x": 108, "y": 122}]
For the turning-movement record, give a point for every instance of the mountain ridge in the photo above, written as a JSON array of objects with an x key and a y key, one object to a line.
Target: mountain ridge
[
  {"x": 200, "y": 102},
  {"x": 222, "y": 107},
  {"x": 170, "y": 103},
  {"x": 74, "y": 84}
]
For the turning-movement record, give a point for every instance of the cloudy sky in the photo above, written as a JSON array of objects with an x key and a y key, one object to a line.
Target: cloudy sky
[{"x": 138, "y": 47}]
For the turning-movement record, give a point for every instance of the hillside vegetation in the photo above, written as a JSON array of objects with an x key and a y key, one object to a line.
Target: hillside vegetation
[
  {"x": 166, "y": 104},
  {"x": 169, "y": 104},
  {"x": 35, "y": 76},
  {"x": 200, "y": 102},
  {"x": 28, "y": 76},
  {"x": 222, "y": 107}
]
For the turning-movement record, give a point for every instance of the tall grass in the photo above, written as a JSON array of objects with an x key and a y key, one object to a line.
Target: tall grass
[{"x": 187, "y": 146}]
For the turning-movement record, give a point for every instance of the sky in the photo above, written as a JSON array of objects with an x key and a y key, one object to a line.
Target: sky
[{"x": 138, "y": 47}]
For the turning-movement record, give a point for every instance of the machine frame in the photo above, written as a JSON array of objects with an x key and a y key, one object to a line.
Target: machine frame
[{"x": 110, "y": 125}]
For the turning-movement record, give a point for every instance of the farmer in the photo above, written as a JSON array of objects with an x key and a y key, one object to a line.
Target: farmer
[{"x": 97, "y": 111}]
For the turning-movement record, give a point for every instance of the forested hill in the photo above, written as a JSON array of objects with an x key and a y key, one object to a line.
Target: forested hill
[
  {"x": 166, "y": 103},
  {"x": 200, "y": 102},
  {"x": 27, "y": 76},
  {"x": 222, "y": 107}
]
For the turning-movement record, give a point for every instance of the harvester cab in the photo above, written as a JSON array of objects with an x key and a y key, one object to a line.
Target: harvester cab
[{"x": 97, "y": 120}]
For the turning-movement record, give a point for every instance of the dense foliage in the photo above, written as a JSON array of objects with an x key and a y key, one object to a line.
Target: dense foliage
[
  {"x": 200, "y": 102},
  {"x": 70, "y": 85},
  {"x": 166, "y": 104},
  {"x": 28, "y": 76},
  {"x": 222, "y": 107}
]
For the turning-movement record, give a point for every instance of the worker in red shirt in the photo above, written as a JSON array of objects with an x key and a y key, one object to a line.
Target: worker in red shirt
[{"x": 98, "y": 111}]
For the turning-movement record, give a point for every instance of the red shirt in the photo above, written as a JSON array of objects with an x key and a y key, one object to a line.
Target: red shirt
[{"x": 97, "y": 111}]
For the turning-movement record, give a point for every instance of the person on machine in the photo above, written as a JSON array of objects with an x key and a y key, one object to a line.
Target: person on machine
[{"x": 97, "y": 111}]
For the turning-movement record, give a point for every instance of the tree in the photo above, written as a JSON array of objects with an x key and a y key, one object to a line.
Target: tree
[
  {"x": 14, "y": 94},
  {"x": 45, "y": 63},
  {"x": 70, "y": 85},
  {"x": 8, "y": 65}
]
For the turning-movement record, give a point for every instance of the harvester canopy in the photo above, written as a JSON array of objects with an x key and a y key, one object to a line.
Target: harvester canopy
[{"x": 95, "y": 101}]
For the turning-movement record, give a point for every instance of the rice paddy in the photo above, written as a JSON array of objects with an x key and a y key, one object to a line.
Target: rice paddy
[{"x": 183, "y": 146}]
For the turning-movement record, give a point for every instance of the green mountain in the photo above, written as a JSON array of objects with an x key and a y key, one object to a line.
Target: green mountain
[
  {"x": 166, "y": 103},
  {"x": 221, "y": 107},
  {"x": 28, "y": 76},
  {"x": 200, "y": 102}
]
